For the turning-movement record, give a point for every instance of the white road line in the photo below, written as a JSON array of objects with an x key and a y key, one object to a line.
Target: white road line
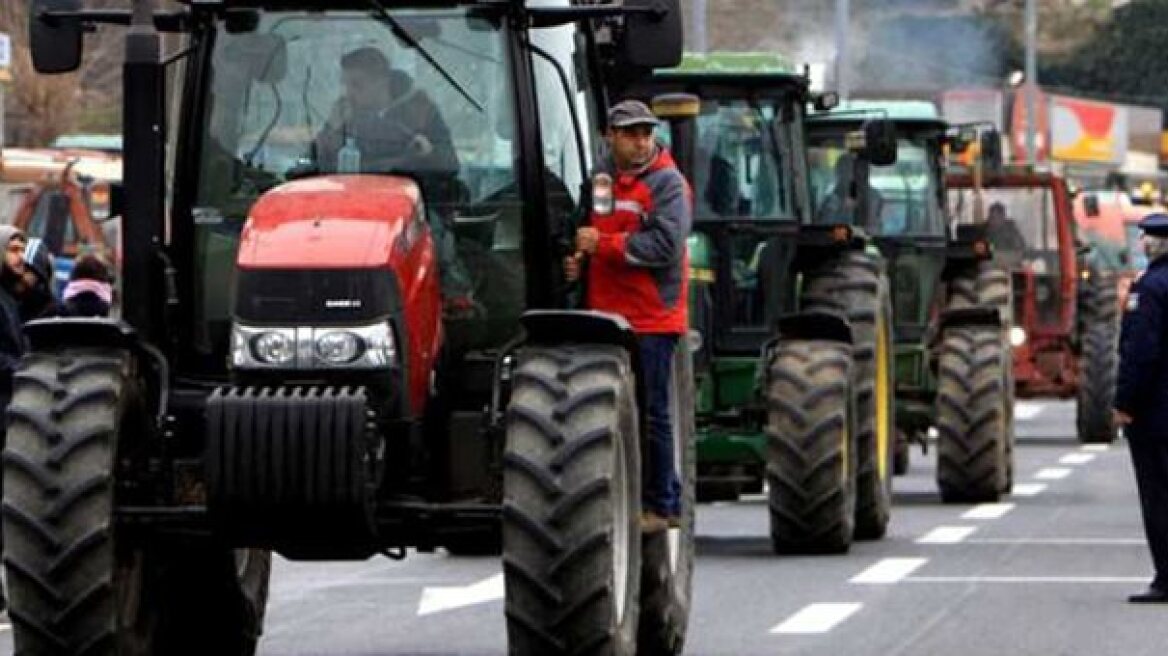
[
  {"x": 1028, "y": 489},
  {"x": 947, "y": 535},
  {"x": 889, "y": 570},
  {"x": 817, "y": 618},
  {"x": 1052, "y": 473},
  {"x": 1095, "y": 448},
  {"x": 1076, "y": 458},
  {"x": 988, "y": 511},
  {"x": 1062, "y": 541},
  {"x": 1026, "y": 579},
  {"x": 435, "y": 600},
  {"x": 5, "y": 627},
  {"x": 1027, "y": 411}
]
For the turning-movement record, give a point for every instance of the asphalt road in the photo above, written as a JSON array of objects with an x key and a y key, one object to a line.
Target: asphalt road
[{"x": 1044, "y": 572}]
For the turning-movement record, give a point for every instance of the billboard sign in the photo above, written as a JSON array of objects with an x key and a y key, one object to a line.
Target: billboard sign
[{"x": 1088, "y": 131}]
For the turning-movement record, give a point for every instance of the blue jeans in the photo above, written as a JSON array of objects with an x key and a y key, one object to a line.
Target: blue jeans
[{"x": 662, "y": 489}]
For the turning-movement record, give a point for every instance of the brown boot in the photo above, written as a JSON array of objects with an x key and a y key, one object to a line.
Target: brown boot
[{"x": 651, "y": 523}]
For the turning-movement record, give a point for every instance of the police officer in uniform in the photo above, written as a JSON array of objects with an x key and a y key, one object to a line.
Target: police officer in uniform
[{"x": 1141, "y": 398}]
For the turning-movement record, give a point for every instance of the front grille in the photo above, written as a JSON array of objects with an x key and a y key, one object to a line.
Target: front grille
[{"x": 323, "y": 297}]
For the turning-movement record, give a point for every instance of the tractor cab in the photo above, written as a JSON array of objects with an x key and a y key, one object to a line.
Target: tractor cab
[
  {"x": 346, "y": 329},
  {"x": 774, "y": 297}
]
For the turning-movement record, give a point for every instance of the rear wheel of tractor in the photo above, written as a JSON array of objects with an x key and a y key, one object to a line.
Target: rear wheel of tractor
[
  {"x": 811, "y": 469},
  {"x": 1098, "y": 359},
  {"x": 572, "y": 503},
  {"x": 856, "y": 286},
  {"x": 667, "y": 558},
  {"x": 972, "y": 415},
  {"x": 77, "y": 582}
]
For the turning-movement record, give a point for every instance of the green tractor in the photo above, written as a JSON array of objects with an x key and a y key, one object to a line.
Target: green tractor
[
  {"x": 792, "y": 321},
  {"x": 951, "y": 302}
]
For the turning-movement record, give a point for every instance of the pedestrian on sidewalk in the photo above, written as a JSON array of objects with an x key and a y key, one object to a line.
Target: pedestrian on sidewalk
[
  {"x": 12, "y": 344},
  {"x": 1141, "y": 397}
]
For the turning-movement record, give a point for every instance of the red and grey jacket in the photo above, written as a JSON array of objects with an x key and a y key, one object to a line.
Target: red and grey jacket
[{"x": 640, "y": 269}]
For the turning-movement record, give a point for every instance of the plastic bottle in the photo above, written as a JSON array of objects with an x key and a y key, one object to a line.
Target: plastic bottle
[{"x": 349, "y": 157}]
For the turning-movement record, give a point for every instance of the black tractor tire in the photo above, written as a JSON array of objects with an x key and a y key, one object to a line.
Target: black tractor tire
[
  {"x": 667, "y": 558},
  {"x": 572, "y": 503},
  {"x": 973, "y": 415},
  {"x": 1098, "y": 366},
  {"x": 856, "y": 285},
  {"x": 987, "y": 287},
  {"x": 811, "y": 468},
  {"x": 1098, "y": 357},
  {"x": 77, "y": 583}
]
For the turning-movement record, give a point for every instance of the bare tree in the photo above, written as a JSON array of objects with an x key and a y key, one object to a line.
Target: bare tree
[{"x": 40, "y": 107}]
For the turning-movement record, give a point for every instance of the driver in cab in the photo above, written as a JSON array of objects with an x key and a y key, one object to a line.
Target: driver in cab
[{"x": 390, "y": 121}]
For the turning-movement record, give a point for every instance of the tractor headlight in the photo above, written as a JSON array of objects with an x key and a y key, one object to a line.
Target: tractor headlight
[
  {"x": 273, "y": 347},
  {"x": 355, "y": 347},
  {"x": 1017, "y": 336},
  {"x": 337, "y": 347}
]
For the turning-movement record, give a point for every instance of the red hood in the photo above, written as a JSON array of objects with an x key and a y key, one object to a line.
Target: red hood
[{"x": 331, "y": 222}]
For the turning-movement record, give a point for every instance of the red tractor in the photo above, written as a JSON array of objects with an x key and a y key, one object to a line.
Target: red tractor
[
  {"x": 1064, "y": 319},
  {"x": 288, "y": 375}
]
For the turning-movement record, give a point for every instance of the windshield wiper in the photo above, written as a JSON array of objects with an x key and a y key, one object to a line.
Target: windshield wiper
[{"x": 400, "y": 32}]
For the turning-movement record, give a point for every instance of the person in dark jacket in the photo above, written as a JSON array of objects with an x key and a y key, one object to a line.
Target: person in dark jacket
[
  {"x": 90, "y": 289},
  {"x": 12, "y": 344},
  {"x": 1141, "y": 397},
  {"x": 37, "y": 299},
  {"x": 638, "y": 268}
]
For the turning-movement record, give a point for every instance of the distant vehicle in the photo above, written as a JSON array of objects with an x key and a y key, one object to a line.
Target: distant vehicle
[{"x": 106, "y": 143}]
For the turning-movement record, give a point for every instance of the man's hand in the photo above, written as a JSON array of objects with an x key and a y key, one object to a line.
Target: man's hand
[
  {"x": 1120, "y": 418},
  {"x": 586, "y": 240},
  {"x": 572, "y": 267}
]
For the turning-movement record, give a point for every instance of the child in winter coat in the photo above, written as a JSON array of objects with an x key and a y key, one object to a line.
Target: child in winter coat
[{"x": 90, "y": 289}]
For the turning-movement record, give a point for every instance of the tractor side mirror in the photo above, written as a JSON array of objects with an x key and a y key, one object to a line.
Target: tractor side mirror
[
  {"x": 106, "y": 200},
  {"x": 55, "y": 41},
  {"x": 880, "y": 142},
  {"x": 991, "y": 149},
  {"x": 1091, "y": 205},
  {"x": 653, "y": 33}
]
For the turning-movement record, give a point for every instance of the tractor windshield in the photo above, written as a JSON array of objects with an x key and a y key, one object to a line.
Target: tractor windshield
[
  {"x": 422, "y": 93},
  {"x": 1020, "y": 223},
  {"x": 739, "y": 164},
  {"x": 903, "y": 198}
]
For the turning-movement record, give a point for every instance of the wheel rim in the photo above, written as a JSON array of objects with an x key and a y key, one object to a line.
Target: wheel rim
[
  {"x": 883, "y": 434},
  {"x": 673, "y": 535},
  {"x": 620, "y": 534}
]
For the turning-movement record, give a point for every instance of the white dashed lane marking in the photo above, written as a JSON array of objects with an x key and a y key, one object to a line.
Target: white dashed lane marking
[
  {"x": 1028, "y": 489},
  {"x": 1076, "y": 458},
  {"x": 1095, "y": 448},
  {"x": 889, "y": 570},
  {"x": 1052, "y": 473},
  {"x": 988, "y": 511},
  {"x": 947, "y": 535},
  {"x": 1064, "y": 542},
  {"x": 1026, "y": 579},
  {"x": 817, "y": 618}
]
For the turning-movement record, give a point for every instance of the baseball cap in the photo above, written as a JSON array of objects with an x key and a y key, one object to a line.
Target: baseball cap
[{"x": 628, "y": 113}]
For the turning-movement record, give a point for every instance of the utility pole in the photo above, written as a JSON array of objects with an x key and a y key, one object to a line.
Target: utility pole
[
  {"x": 842, "y": 59},
  {"x": 1031, "y": 82},
  {"x": 699, "y": 25}
]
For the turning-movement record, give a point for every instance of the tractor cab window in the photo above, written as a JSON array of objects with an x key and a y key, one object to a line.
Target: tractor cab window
[
  {"x": 738, "y": 165},
  {"x": 1020, "y": 224},
  {"x": 420, "y": 93},
  {"x": 902, "y": 198}
]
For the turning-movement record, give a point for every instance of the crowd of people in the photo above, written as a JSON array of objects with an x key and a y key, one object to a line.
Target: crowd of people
[{"x": 27, "y": 293}]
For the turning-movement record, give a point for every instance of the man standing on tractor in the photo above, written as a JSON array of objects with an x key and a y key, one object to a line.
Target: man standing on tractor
[
  {"x": 1141, "y": 397},
  {"x": 385, "y": 124},
  {"x": 638, "y": 268}
]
